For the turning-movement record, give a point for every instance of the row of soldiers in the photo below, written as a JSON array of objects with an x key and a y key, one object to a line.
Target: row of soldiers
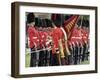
[{"x": 51, "y": 45}]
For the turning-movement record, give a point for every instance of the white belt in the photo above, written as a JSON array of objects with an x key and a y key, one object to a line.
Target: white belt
[
  {"x": 34, "y": 37},
  {"x": 77, "y": 37}
]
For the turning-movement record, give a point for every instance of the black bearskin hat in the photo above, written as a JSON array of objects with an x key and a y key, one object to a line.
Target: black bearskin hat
[{"x": 30, "y": 18}]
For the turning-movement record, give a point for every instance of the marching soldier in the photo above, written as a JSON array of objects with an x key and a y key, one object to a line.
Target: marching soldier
[
  {"x": 72, "y": 39},
  {"x": 42, "y": 36},
  {"x": 33, "y": 38},
  {"x": 60, "y": 40},
  {"x": 55, "y": 48},
  {"x": 48, "y": 43},
  {"x": 85, "y": 37},
  {"x": 71, "y": 30},
  {"x": 65, "y": 45}
]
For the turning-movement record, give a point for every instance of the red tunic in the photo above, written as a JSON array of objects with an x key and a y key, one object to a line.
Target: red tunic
[
  {"x": 56, "y": 36},
  {"x": 33, "y": 37},
  {"x": 42, "y": 38},
  {"x": 76, "y": 36},
  {"x": 85, "y": 35}
]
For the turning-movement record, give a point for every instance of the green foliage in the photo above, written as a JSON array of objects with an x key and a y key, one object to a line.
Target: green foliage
[{"x": 85, "y": 17}]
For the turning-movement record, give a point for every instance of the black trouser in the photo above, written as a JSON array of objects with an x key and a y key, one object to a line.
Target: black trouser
[
  {"x": 54, "y": 60},
  {"x": 73, "y": 55},
  {"x": 70, "y": 57},
  {"x": 76, "y": 55},
  {"x": 50, "y": 63},
  {"x": 80, "y": 54},
  {"x": 84, "y": 52},
  {"x": 33, "y": 58},
  {"x": 48, "y": 57},
  {"x": 42, "y": 58}
]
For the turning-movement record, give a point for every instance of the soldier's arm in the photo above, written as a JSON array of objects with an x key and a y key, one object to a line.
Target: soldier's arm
[{"x": 66, "y": 46}]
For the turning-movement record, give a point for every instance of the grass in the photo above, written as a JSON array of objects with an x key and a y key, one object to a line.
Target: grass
[
  {"x": 27, "y": 60},
  {"x": 85, "y": 62}
]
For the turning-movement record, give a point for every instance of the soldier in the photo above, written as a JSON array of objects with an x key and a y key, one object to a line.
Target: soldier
[
  {"x": 55, "y": 48},
  {"x": 65, "y": 45},
  {"x": 48, "y": 42},
  {"x": 60, "y": 39},
  {"x": 37, "y": 27},
  {"x": 72, "y": 39},
  {"x": 85, "y": 36},
  {"x": 33, "y": 38},
  {"x": 55, "y": 36},
  {"x": 42, "y": 44},
  {"x": 71, "y": 30},
  {"x": 44, "y": 37}
]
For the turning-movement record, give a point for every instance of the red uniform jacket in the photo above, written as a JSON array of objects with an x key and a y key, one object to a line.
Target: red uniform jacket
[
  {"x": 85, "y": 35},
  {"x": 42, "y": 38},
  {"x": 57, "y": 34},
  {"x": 33, "y": 37},
  {"x": 76, "y": 36}
]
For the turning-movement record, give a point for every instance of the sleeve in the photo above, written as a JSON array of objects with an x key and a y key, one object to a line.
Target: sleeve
[{"x": 64, "y": 33}]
